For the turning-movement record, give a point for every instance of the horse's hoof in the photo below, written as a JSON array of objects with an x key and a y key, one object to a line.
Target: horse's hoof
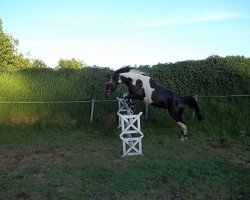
[{"x": 183, "y": 139}]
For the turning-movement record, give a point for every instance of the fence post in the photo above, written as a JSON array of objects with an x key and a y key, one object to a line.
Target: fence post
[
  {"x": 146, "y": 111},
  {"x": 92, "y": 110}
]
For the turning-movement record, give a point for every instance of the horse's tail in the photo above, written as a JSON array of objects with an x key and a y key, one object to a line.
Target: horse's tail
[{"x": 193, "y": 105}]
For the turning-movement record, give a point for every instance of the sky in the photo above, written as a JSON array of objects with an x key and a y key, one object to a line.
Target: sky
[{"x": 115, "y": 33}]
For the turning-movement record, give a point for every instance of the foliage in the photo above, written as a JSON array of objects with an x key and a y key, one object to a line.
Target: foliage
[
  {"x": 37, "y": 63},
  {"x": 30, "y": 80},
  {"x": 212, "y": 76},
  {"x": 204, "y": 77},
  {"x": 7, "y": 49},
  {"x": 1, "y": 25},
  {"x": 10, "y": 59},
  {"x": 73, "y": 63},
  {"x": 20, "y": 62}
]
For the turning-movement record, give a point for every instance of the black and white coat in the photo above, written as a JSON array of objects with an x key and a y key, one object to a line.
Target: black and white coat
[{"x": 144, "y": 88}]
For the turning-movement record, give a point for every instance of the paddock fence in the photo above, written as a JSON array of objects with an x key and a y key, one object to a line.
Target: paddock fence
[{"x": 92, "y": 103}]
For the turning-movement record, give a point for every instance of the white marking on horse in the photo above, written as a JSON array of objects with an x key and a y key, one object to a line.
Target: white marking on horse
[
  {"x": 119, "y": 80},
  {"x": 184, "y": 129},
  {"x": 135, "y": 75}
]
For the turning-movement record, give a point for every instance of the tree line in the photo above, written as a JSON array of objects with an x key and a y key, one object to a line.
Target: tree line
[
  {"x": 11, "y": 59},
  {"x": 214, "y": 75},
  {"x": 23, "y": 79}
]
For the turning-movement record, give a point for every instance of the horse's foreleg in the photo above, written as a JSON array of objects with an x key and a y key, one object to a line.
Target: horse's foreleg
[{"x": 131, "y": 96}]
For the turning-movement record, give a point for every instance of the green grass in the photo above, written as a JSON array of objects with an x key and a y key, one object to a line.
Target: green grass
[{"x": 86, "y": 163}]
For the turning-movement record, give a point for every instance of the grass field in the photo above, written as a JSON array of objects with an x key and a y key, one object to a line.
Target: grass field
[
  {"x": 86, "y": 163},
  {"x": 50, "y": 151}
]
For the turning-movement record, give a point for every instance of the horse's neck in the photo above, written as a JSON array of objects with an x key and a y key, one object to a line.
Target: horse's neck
[
  {"x": 124, "y": 80},
  {"x": 129, "y": 78}
]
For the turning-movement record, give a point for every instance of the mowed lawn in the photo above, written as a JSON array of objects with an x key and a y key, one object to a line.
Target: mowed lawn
[{"x": 86, "y": 163}]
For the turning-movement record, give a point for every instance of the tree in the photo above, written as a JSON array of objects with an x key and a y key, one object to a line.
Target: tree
[
  {"x": 10, "y": 59},
  {"x": 73, "y": 63},
  {"x": 1, "y": 25},
  {"x": 20, "y": 62},
  {"x": 37, "y": 63},
  {"x": 7, "y": 49}
]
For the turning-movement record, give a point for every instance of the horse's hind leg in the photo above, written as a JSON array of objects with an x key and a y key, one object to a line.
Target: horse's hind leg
[
  {"x": 177, "y": 117},
  {"x": 183, "y": 130}
]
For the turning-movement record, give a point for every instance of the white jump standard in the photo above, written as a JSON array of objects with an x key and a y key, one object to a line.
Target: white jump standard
[
  {"x": 123, "y": 109},
  {"x": 131, "y": 134}
]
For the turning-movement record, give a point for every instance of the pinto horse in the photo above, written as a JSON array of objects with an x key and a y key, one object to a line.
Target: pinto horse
[{"x": 144, "y": 88}]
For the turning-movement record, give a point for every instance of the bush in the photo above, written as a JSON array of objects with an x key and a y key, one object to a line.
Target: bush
[{"x": 212, "y": 76}]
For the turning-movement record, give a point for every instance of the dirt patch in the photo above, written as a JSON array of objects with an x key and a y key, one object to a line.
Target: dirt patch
[
  {"x": 241, "y": 160},
  {"x": 54, "y": 151},
  {"x": 44, "y": 157},
  {"x": 120, "y": 163},
  {"x": 4, "y": 187},
  {"x": 19, "y": 119},
  {"x": 39, "y": 161},
  {"x": 12, "y": 156},
  {"x": 47, "y": 154},
  {"x": 27, "y": 195},
  {"x": 241, "y": 156},
  {"x": 221, "y": 144},
  {"x": 24, "y": 195},
  {"x": 62, "y": 153}
]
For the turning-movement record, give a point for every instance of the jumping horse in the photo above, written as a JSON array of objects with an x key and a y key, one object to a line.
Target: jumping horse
[{"x": 144, "y": 88}]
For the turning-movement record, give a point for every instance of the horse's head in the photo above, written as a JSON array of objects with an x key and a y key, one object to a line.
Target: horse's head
[
  {"x": 123, "y": 75},
  {"x": 111, "y": 85}
]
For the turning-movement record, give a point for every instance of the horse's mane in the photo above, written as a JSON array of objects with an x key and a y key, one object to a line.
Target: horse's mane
[{"x": 128, "y": 69}]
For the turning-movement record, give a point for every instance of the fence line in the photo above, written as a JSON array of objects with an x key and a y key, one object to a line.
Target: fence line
[
  {"x": 89, "y": 101},
  {"x": 61, "y": 102},
  {"x": 53, "y": 102},
  {"x": 93, "y": 102},
  {"x": 225, "y": 96}
]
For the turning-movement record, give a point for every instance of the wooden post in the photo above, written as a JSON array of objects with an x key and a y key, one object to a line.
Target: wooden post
[
  {"x": 196, "y": 99},
  {"x": 92, "y": 110}
]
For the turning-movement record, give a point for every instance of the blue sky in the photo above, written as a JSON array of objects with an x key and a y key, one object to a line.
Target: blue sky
[{"x": 115, "y": 33}]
